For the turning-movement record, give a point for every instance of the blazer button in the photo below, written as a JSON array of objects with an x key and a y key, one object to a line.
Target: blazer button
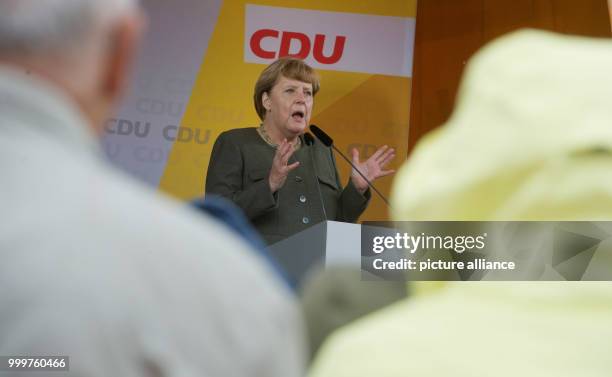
[
  {"x": 302, "y": 199},
  {"x": 298, "y": 178},
  {"x": 305, "y": 220}
]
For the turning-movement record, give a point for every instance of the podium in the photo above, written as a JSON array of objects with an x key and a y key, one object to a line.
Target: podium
[
  {"x": 329, "y": 243},
  {"x": 336, "y": 294}
]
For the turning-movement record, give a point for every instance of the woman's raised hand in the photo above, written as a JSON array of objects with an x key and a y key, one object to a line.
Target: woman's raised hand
[
  {"x": 372, "y": 168},
  {"x": 280, "y": 169}
]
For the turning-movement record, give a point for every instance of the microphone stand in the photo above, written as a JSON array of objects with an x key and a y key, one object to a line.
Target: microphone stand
[{"x": 309, "y": 139}]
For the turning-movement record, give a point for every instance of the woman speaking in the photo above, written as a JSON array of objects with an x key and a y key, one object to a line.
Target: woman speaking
[{"x": 284, "y": 182}]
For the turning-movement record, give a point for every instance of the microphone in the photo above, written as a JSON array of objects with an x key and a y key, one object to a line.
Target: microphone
[
  {"x": 329, "y": 142},
  {"x": 309, "y": 140}
]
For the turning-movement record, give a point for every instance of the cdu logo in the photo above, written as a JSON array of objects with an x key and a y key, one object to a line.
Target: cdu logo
[
  {"x": 296, "y": 45},
  {"x": 336, "y": 41}
]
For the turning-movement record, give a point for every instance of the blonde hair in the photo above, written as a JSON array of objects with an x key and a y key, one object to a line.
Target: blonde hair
[{"x": 290, "y": 68}]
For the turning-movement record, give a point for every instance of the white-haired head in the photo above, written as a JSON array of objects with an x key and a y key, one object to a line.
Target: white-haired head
[
  {"x": 33, "y": 27},
  {"x": 82, "y": 47}
]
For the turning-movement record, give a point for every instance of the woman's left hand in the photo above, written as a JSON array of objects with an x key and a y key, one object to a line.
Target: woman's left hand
[{"x": 372, "y": 168}]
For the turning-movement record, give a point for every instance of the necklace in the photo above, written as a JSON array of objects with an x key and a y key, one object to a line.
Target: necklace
[{"x": 264, "y": 135}]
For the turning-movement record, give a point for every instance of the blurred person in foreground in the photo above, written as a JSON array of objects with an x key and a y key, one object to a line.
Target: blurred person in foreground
[
  {"x": 530, "y": 139},
  {"x": 270, "y": 171},
  {"x": 96, "y": 266}
]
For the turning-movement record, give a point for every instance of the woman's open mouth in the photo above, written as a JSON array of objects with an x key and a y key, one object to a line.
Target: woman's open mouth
[{"x": 297, "y": 116}]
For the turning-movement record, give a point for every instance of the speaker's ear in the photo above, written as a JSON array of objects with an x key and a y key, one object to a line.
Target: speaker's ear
[{"x": 266, "y": 101}]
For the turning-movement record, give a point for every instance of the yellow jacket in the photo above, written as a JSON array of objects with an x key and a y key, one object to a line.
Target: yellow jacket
[{"x": 530, "y": 139}]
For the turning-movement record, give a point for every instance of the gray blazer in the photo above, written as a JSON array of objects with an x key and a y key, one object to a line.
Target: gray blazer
[{"x": 238, "y": 170}]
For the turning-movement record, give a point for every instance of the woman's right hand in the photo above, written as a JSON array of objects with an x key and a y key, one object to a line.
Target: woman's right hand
[{"x": 280, "y": 169}]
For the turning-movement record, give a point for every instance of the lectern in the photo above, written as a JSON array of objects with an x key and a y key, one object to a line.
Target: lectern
[{"x": 330, "y": 243}]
